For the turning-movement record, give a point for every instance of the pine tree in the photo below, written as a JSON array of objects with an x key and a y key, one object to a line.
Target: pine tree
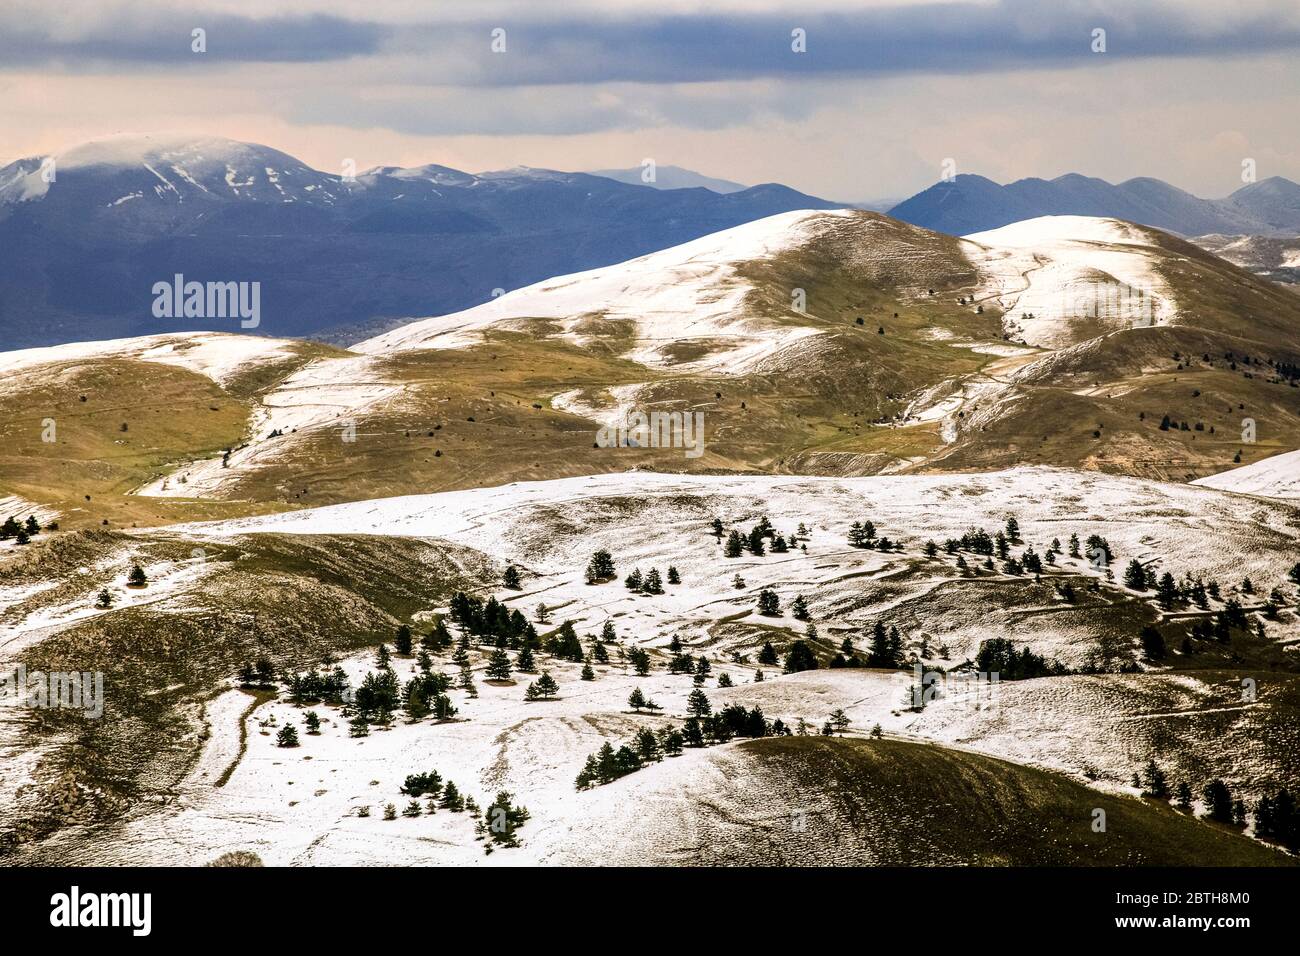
[
  {"x": 799, "y": 608},
  {"x": 653, "y": 583},
  {"x": 1184, "y": 796},
  {"x": 717, "y": 528},
  {"x": 104, "y": 599},
  {"x": 735, "y": 546},
  {"x": 600, "y": 568},
  {"x": 673, "y": 576},
  {"x": 607, "y": 633},
  {"x": 1153, "y": 643},
  {"x": 1218, "y": 799},
  {"x": 799, "y": 657},
  {"x": 543, "y": 688},
  {"x": 769, "y": 605},
  {"x": 1154, "y": 782},
  {"x": 1167, "y": 591},
  {"x": 599, "y": 654},
  {"x": 839, "y": 720},
  {"x": 636, "y": 700},
  {"x": 287, "y": 737},
  {"x": 498, "y": 667},
  {"x": 383, "y": 659},
  {"x": 524, "y": 660},
  {"x": 724, "y": 680},
  {"x": 756, "y": 545},
  {"x": 1013, "y": 529},
  {"x": 312, "y": 720},
  {"x": 1135, "y": 576},
  {"x": 136, "y": 578},
  {"x": 697, "y": 704},
  {"x": 502, "y": 819},
  {"x": 587, "y": 673},
  {"x": 466, "y": 682},
  {"x": 451, "y": 798},
  {"x": 402, "y": 640},
  {"x": 510, "y": 578},
  {"x": 767, "y": 655}
]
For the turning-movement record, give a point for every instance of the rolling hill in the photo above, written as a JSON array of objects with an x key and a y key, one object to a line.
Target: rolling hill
[
  {"x": 839, "y": 342},
  {"x": 336, "y": 253}
]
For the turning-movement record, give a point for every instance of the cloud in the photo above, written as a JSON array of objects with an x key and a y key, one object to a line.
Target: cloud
[
  {"x": 676, "y": 44},
  {"x": 163, "y": 40}
]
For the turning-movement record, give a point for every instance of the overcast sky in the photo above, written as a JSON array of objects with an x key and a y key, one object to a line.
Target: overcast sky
[{"x": 885, "y": 92}]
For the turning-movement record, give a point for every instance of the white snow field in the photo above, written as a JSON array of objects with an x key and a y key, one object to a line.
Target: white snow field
[
  {"x": 300, "y": 805},
  {"x": 1275, "y": 477},
  {"x": 217, "y": 355},
  {"x": 691, "y": 291},
  {"x": 1052, "y": 272}
]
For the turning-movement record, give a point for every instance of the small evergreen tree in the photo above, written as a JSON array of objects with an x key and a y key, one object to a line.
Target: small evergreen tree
[
  {"x": 498, "y": 667},
  {"x": 543, "y": 688},
  {"x": 1218, "y": 800},
  {"x": 287, "y": 737},
  {"x": 402, "y": 640},
  {"x": 697, "y": 704}
]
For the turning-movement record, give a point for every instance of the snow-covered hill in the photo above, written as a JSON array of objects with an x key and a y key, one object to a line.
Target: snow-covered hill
[
  {"x": 217, "y": 355},
  {"x": 688, "y": 292},
  {"x": 1276, "y": 477},
  {"x": 1064, "y": 278}
]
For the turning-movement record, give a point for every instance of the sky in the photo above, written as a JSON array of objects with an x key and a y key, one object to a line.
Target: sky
[{"x": 882, "y": 96}]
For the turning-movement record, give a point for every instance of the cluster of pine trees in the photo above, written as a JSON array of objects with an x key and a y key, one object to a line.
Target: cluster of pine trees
[
  {"x": 259, "y": 674},
  {"x": 1276, "y": 819},
  {"x": 701, "y": 729},
  {"x": 491, "y": 621},
  {"x": 21, "y": 532},
  {"x": 862, "y": 534},
  {"x": 318, "y": 687},
  {"x": 758, "y": 540},
  {"x": 998, "y": 655},
  {"x": 650, "y": 582}
]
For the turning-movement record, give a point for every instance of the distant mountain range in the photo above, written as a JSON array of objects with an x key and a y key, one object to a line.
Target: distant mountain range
[
  {"x": 337, "y": 257},
  {"x": 973, "y": 203},
  {"x": 86, "y": 235},
  {"x": 670, "y": 177}
]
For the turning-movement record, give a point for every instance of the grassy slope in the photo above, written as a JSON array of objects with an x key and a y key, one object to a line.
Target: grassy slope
[
  {"x": 171, "y": 415},
  {"x": 294, "y": 599},
  {"x": 889, "y": 802}
]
